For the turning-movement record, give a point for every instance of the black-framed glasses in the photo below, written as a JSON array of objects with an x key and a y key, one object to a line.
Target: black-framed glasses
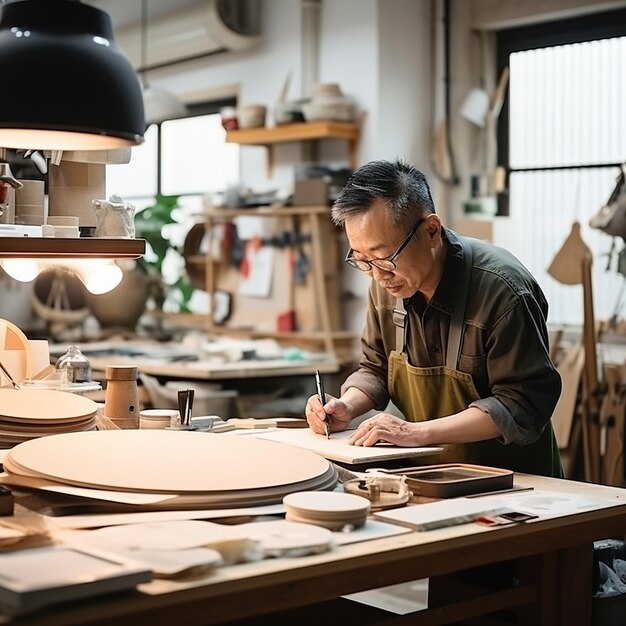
[{"x": 388, "y": 263}]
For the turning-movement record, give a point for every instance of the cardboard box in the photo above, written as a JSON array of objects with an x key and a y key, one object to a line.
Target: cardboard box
[
  {"x": 310, "y": 192},
  {"x": 72, "y": 187}
]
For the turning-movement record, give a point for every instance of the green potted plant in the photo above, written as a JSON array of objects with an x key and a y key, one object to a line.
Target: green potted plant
[{"x": 149, "y": 224}]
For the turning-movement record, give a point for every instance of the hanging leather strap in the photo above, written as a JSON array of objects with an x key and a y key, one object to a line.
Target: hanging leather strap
[{"x": 455, "y": 334}]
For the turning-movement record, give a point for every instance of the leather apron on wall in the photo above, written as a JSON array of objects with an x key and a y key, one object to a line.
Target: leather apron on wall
[{"x": 424, "y": 393}]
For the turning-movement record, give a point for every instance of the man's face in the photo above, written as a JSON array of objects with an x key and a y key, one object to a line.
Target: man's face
[{"x": 372, "y": 236}]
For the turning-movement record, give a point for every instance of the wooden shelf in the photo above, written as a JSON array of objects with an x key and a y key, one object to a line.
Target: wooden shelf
[
  {"x": 71, "y": 248},
  {"x": 294, "y": 132},
  {"x": 269, "y": 211},
  {"x": 289, "y": 133}
]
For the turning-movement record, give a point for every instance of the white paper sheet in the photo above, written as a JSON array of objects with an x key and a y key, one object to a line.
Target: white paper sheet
[
  {"x": 452, "y": 512},
  {"x": 372, "y": 529},
  {"x": 456, "y": 511},
  {"x": 258, "y": 283},
  {"x": 549, "y": 503},
  {"x": 337, "y": 447},
  {"x": 400, "y": 599}
]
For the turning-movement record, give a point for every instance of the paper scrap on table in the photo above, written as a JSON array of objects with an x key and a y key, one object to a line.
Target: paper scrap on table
[
  {"x": 113, "y": 519},
  {"x": 451, "y": 512},
  {"x": 370, "y": 530},
  {"x": 549, "y": 503},
  {"x": 455, "y": 511},
  {"x": 400, "y": 599}
]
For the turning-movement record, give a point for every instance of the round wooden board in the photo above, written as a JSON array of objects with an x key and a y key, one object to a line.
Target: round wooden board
[
  {"x": 44, "y": 405},
  {"x": 168, "y": 461}
]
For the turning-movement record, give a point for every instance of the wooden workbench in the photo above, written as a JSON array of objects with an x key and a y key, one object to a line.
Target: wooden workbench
[
  {"x": 556, "y": 587},
  {"x": 104, "y": 353}
]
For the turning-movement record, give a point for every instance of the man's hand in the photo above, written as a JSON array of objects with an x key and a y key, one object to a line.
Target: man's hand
[
  {"x": 337, "y": 411},
  {"x": 386, "y": 427}
]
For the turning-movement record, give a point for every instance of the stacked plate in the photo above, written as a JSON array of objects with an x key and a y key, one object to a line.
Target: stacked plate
[
  {"x": 31, "y": 413},
  {"x": 167, "y": 469},
  {"x": 156, "y": 418},
  {"x": 332, "y": 510}
]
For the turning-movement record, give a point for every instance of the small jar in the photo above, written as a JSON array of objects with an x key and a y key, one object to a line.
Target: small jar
[
  {"x": 121, "y": 402},
  {"x": 76, "y": 365},
  {"x": 229, "y": 118}
]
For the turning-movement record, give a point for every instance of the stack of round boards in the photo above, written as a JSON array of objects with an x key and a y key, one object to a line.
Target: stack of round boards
[
  {"x": 199, "y": 470},
  {"x": 27, "y": 414},
  {"x": 332, "y": 510}
]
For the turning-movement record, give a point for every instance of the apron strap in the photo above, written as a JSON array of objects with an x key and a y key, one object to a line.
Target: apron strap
[
  {"x": 456, "y": 324},
  {"x": 455, "y": 332},
  {"x": 399, "y": 319}
]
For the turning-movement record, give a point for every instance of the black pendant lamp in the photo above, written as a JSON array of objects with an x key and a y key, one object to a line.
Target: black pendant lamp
[{"x": 66, "y": 85}]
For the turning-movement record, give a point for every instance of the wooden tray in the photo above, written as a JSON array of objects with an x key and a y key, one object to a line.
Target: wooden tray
[{"x": 452, "y": 480}]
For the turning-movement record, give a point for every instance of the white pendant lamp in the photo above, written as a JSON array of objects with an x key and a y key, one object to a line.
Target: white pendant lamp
[{"x": 159, "y": 104}]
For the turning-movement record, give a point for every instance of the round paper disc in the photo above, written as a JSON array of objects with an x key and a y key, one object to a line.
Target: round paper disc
[
  {"x": 167, "y": 461},
  {"x": 43, "y": 405}
]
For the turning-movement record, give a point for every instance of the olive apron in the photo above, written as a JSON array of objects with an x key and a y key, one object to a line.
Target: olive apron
[{"x": 424, "y": 393}]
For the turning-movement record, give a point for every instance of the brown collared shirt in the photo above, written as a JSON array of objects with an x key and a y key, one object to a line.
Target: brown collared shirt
[{"x": 504, "y": 346}]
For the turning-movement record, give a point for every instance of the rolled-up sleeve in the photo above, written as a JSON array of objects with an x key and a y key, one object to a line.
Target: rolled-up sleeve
[{"x": 525, "y": 386}]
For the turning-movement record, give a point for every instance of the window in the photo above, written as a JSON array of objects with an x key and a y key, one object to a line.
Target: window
[
  {"x": 188, "y": 158},
  {"x": 562, "y": 136}
]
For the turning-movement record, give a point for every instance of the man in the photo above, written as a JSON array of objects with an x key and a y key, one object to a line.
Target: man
[{"x": 455, "y": 334}]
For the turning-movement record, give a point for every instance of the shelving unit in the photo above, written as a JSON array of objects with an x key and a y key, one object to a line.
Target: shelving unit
[
  {"x": 322, "y": 247},
  {"x": 313, "y": 214},
  {"x": 290, "y": 133}
]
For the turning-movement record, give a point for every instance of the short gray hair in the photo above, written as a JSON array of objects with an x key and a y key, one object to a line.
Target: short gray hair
[{"x": 404, "y": 189}]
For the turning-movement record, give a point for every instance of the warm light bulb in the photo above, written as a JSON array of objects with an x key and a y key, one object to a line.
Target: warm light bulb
[
  {"x": 98, "y": 275},
  {"x": 103, "y": 278},
  {"x": 23, "y": 270}
]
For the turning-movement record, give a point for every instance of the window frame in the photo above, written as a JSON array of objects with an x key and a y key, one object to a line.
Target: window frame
[
  {"x": 197, "y": 109},
  {"x": 602, "y": 25}
]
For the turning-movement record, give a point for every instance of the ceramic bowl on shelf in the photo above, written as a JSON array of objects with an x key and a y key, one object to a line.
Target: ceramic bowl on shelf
[
  {"x": 289, "y": 112},
  {"x": 251, "y": 116},
  {"x": 335, "y": 110},
  {"x": 329, "y": 103}
]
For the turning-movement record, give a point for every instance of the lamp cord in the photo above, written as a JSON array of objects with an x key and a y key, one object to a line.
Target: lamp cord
[{"x": 144, "y": 42}]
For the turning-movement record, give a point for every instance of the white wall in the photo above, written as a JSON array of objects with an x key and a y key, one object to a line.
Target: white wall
[
  {"x": 379, "y": 53},
  {"x": 377, "y": 50}
]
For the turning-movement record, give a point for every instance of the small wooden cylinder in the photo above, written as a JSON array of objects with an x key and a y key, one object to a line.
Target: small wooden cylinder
[{"x": 121, "y": 402}]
